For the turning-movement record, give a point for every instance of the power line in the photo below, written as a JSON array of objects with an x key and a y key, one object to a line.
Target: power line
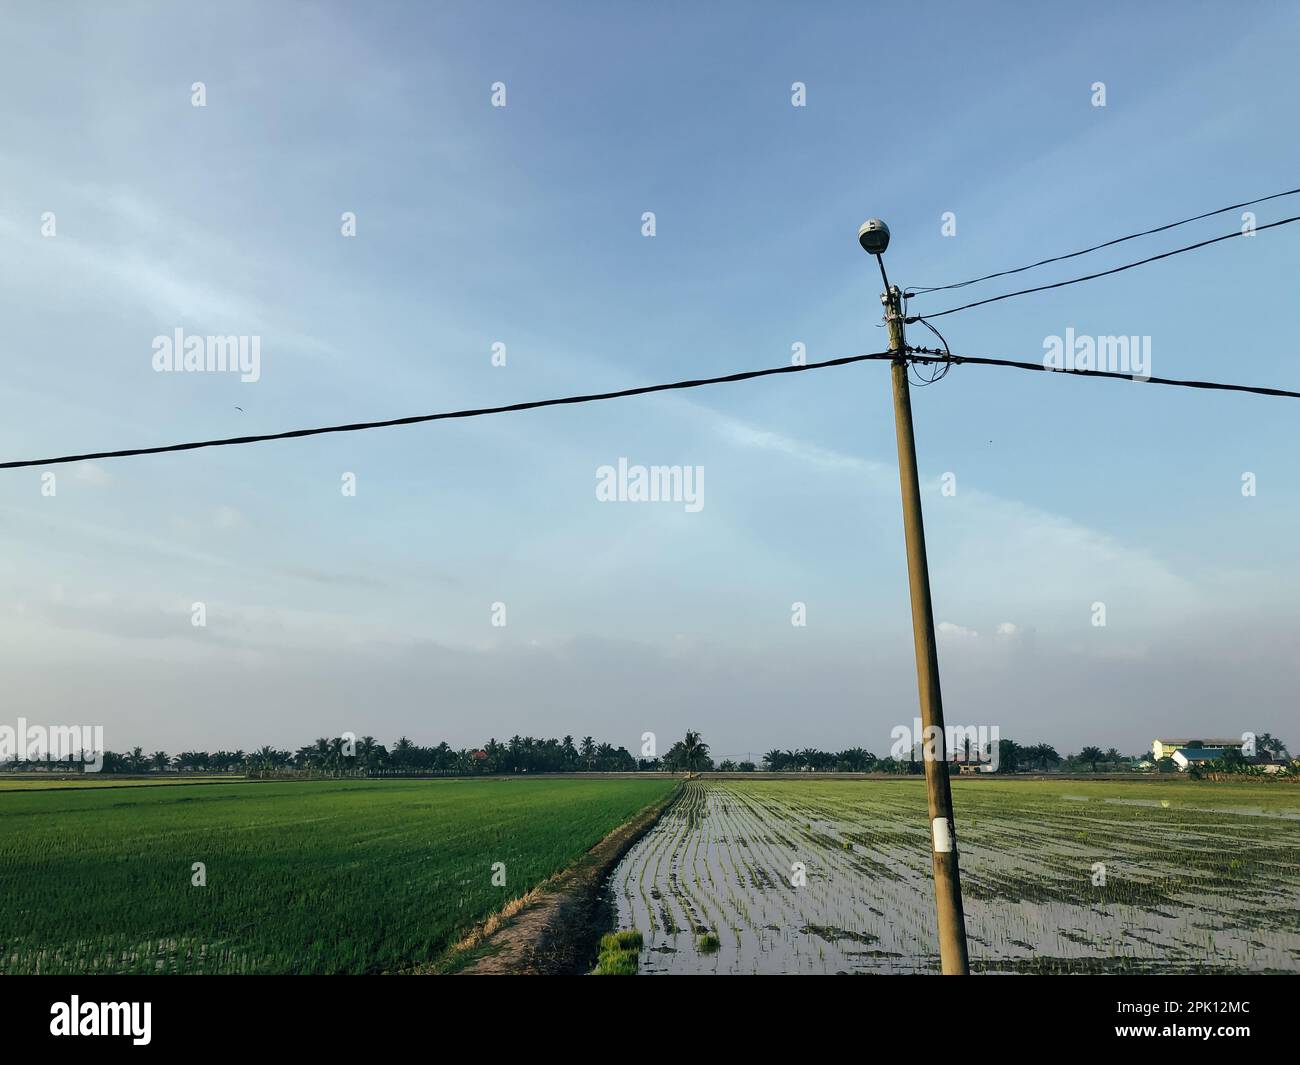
[
  {"x": 913, "y": 354},
  {"x": 934, "y": 355},
  {"x": 1104, "y": 273},
  {"x": 446, "y": 415},
  {"x": 922, "y": 289}
]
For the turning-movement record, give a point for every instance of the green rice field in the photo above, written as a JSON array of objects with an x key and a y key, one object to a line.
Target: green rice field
[
  {"x": 739, "y": 876},
  {"x": 1061, "y": 876},
  {"x": 302, "y": 877}
]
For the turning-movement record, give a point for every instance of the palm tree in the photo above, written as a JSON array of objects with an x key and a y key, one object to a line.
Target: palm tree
[
  {"x": 402, "y": 751},
  {"x": 1091, "y": 755},
  {"x": 855, "y": 759},
  {"x": 1270, "y": 744},
  {"x": 695, "y": 750},
  {"x": 264, "y": 758},
  {"x": 1043, "y": 755}
]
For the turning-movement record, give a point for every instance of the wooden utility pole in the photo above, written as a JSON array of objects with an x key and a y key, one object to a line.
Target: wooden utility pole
[{"x": 874, "y": 237}]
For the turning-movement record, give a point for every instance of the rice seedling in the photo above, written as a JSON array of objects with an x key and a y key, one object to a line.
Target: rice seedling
[
  {"x": 617, "y": 963},
  {"x": 618, "y": 954},
  {"x": 632, "y": 940}
]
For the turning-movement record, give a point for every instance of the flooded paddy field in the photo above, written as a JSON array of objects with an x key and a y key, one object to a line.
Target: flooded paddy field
[{"x": 824, "y": 876}]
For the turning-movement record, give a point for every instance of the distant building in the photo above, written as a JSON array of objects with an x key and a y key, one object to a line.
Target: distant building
[
  {"x": 1166, "y": 748},
  {"x": 1186, "y": 757}
]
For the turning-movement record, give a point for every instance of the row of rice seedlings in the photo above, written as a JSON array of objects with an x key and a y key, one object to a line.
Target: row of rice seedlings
[
  {"x": 714, "y": 869},
  {"x": 650, "y": 905},
  {"x": 790, "y": 836}
]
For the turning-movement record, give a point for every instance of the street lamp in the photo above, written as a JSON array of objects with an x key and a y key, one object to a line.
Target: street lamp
[{"x": 873, "y": 235}]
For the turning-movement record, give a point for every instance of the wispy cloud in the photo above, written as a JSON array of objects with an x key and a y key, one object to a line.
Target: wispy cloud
[{"x": 144, "y": 259}]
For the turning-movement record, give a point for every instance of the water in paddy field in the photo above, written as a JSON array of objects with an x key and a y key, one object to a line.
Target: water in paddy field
[{"x": 1185, "y": 889}]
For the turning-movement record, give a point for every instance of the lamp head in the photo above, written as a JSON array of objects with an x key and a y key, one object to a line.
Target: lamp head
[{"x": 873, "y": 235}]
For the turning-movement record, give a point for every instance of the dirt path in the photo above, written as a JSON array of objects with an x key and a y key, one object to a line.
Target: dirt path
[{"x": 556, "y": 927}]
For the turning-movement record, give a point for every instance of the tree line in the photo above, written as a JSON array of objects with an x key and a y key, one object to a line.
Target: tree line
[
  {"x": 366, "y": 756},
  {"x": 1012, "y": 757},
  {"x": 526, "y": 754}
]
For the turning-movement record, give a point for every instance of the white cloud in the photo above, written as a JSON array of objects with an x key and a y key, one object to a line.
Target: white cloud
[
  {"x": 987, "y": 552},
  {"x": 745, "y": 434},
  {"x": 229, "y": 518},
  {"x": 92, "y": 473},
  {"x": 158, "y": 263}
]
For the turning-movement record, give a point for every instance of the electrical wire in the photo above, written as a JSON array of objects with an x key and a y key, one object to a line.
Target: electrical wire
[
  {"x": 447, "y": 415},
  {"x": 934, "y": 355},
  {"x": 922, "y": 289},
  {"x": 911, "y": 354},
  {"x": 1105, "y": 273}
]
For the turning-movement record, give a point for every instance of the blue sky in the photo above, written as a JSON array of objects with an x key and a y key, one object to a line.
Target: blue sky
[{"x": 522, "y": 225}]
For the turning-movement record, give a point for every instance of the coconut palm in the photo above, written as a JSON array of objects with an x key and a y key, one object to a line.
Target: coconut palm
[
  {"x": 1267, "y": 743},
  {"x": 403, "y": 750},
  {"x": 1043, "y": 755},
  {"x": 695, "y": 751}
]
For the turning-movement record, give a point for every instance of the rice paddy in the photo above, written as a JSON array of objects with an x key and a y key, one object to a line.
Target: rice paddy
[
  {"x": 1060, "y": 876},
  {"x": 301, "y": 877}
]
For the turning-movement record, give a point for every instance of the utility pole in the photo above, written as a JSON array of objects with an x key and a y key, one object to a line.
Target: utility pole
[{"x": 874, "y": 238}]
